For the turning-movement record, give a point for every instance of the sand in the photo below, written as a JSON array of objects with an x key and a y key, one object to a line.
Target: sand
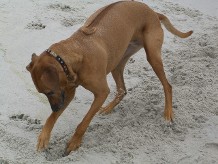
[{"x": 135, "y": 132}]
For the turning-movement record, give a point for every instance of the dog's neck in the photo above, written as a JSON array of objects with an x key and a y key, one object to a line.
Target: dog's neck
[{"x": 61, "y": 61}]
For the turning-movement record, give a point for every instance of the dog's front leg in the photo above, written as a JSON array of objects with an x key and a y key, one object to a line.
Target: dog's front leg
[
  {"x": 100, "y": 92},
  {"x": 44, "y": 136}
]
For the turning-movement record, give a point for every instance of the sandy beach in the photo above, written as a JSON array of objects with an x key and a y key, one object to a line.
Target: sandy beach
[{"x": 135, "y": 132}]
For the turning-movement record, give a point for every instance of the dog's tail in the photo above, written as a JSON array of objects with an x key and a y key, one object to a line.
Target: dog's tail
[{"x": 166, "y": 22}]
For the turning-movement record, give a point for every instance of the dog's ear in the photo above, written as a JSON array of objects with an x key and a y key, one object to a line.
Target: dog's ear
[
  {"x": 29, "y": 66},
  {"x": 34, "y": 56},
  {"x": 50, "y": 77}
]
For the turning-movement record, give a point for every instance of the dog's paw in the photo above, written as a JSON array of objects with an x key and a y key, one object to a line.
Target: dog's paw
[
  {"x": 73, "y": 145},
  {"x": 105, "y": 110},
  {"x": 43, "y": 141},
  {"x": 108, "y": 109},
  {"x": 168, "y": 115}
]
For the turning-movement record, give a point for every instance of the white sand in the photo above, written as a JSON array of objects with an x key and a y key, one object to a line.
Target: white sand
[{"x": 136, "y": 131}]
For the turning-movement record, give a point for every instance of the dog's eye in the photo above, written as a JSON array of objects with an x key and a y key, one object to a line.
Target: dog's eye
[{"x": 50, "y": 93}]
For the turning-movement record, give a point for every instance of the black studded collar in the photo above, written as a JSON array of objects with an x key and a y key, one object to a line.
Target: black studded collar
[{"x": 61, "y": 61}]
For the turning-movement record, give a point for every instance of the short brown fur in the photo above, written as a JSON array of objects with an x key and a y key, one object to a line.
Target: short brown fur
[{"x": 123, "y": 30}]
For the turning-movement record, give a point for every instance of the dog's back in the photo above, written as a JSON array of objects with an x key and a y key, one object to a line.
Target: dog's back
[
  {"x": 120, "y": 17},
  {"x": 117, "y": 25}
]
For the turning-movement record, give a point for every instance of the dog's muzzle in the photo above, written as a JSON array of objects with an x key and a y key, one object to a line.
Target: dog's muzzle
[{"x": 58, "y": 106}]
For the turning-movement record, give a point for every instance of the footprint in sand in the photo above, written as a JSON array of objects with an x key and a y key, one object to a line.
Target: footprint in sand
[
  {"x": 2, "y": 161},
  {"x": 35, "y": 26},
  {"x": 68, "y": 21},
  {"x": 72, "y": 21},
  {"x": 61, "y": 7},
  {"x": 22, "y": 117},
  {"x": 26, "y": 122},
  {"x": 212, "y": 146}
]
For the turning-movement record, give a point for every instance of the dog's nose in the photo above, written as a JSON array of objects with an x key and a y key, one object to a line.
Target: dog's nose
[{"x": 55, "y": 107}]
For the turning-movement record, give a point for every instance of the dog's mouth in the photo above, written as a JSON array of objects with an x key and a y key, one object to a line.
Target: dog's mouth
[{"x": 57, "y": 106}]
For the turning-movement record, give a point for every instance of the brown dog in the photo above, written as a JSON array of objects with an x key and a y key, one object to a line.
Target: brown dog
[{"x": 103, "y": 45}]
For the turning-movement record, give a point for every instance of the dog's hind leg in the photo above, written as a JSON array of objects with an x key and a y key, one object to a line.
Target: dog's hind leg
[
  {"x": 117, "y": 74},
  {"x": 152, "y": 43},
  {"x": 121, "y": 89}
]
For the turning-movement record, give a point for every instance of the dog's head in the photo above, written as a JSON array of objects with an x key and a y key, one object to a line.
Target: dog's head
[{"x": 49, "y": 79}]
